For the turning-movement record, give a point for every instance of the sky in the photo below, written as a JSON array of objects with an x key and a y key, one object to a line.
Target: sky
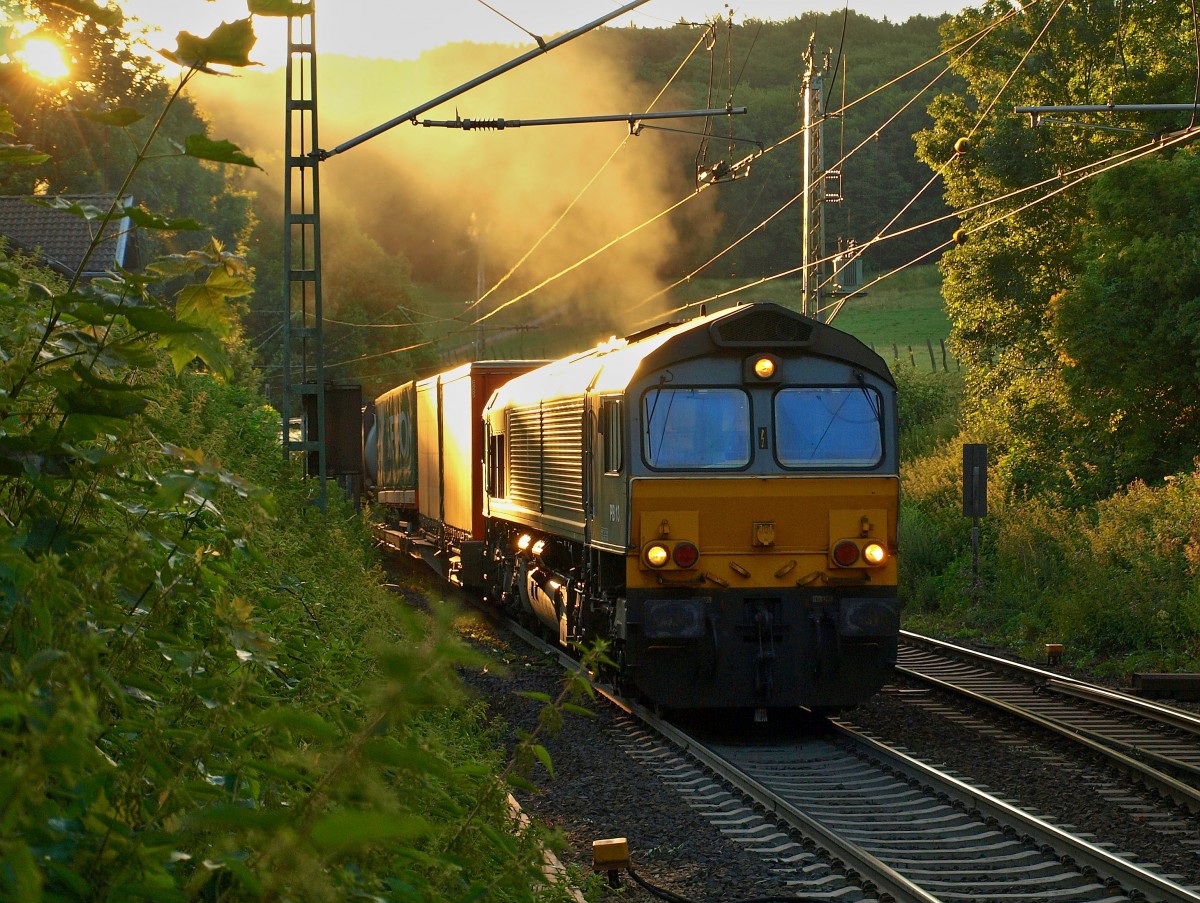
[{"x": 402, "y": 29}]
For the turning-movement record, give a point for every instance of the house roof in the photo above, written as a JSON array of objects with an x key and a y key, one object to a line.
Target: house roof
[{"x": 61, "y": 238}]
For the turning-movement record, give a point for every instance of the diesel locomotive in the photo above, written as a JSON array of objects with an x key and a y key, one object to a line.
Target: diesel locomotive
[{"x": 716, "y": 498}]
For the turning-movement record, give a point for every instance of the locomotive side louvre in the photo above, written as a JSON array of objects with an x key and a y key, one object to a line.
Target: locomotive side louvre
[
  {"x": 737, "y": 478},
  {"x": 545, "y": 482}
]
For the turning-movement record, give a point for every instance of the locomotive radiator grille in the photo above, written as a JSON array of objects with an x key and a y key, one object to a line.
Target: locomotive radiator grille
[
  {"x": 779, "y": 328},
  {"x": 524, "y": 456},
  {"x": 545, "y": 446}
]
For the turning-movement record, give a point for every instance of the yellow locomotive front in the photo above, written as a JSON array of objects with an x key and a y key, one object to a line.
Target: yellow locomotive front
[{"x": 735, "y": 531}]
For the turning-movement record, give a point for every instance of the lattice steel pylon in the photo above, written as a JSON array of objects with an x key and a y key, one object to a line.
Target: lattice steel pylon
[
  {"x": 303, "y": 329},
  {"x": 813, "y": 186}
]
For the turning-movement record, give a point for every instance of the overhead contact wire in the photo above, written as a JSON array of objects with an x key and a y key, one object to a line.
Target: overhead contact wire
[
  {"x": 540, "y": 240},
  {"x": 571, "y": 206},
  {"x": 1083, "y": 173},
  {"x": 978, "y": 36},
  {"x": 980, "y": 119}
]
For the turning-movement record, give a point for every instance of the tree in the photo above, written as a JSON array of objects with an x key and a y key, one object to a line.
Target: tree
[
  {"x": 190, "y": 707},
  {"x": 1128, "y": 329},
  {"x": 1022, "y": 202},
  {"x": 92, "y": 125}
]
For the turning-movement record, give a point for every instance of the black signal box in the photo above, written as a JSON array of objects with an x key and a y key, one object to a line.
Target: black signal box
[{"x": 974, "y": 480}]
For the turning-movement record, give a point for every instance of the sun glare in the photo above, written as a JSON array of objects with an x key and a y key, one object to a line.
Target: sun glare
[{"x": 43, "y": 57}]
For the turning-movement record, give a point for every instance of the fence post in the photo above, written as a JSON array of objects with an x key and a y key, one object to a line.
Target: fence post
[
  {"x": 945, "y": 368},
  {"x": 932, "y": 361}
]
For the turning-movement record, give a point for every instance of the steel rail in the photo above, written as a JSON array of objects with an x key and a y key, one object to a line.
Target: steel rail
[
  {"x": 1130, "y": 876},
  {"x": 875, "y": 874},
  {"x": 870, "y": 869},
  {"x": 1176, "y": 718},
  {"x": 1183, "y": 794},
  {"x": 879, "y": 874}
]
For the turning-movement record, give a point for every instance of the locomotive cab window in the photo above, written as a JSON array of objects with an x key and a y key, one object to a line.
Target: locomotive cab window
[
  {"x": 696, "y": 428},
  {"x": 495, "y": 471},
  {"x": 828, "y": 426},
  {"x": 611, "y": 428}
]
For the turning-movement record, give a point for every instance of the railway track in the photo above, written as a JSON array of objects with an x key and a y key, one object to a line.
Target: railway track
[
  {"x": 842, "y": 816},
  {"x": 1156, "y": 745},
  {"x": 914, "y": 833}
]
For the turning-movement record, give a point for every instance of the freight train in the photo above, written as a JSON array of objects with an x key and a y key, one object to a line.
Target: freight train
[{"x": 717, "y": 499}]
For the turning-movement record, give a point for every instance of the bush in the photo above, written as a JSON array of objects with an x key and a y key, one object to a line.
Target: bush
[
  {"x": 1118, "y": 583},
  {"x": 930, "y": 405}
]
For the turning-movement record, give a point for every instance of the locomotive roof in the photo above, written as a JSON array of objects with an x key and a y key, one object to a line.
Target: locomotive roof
[{"x": 761, "y": 326}]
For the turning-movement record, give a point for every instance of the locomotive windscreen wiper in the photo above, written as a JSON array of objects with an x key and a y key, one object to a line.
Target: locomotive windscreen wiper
[{"x": 871, "y": 397}]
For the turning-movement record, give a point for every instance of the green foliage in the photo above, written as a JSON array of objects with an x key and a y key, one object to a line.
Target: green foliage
[
  {"x": 1037, "y": 368},
  {"x": 105, "y": 120},
  {"x": 934, "y": 536},
  {"x": 905, "y": 309},
  {"x": 1117, "y": 582},
  {"x": 205, "y": 690},
  {"x": 929, "y": 408},
  {"x": 880, "y": 178},
  {"x": 1137, "y": 302}
]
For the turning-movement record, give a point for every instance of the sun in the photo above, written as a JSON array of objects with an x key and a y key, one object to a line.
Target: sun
[{"x": 43, "y": 57}]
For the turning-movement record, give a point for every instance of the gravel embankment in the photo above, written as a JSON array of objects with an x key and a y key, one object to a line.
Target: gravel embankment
[
  {"x": 598, "y": 792},
  {"x": 1045, "y": 775}
]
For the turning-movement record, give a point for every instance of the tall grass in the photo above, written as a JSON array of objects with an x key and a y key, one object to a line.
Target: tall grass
[{"x": 1117, "y": 583}]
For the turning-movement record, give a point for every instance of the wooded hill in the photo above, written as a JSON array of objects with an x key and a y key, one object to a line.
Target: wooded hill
[{"x": 442, "y": 207}]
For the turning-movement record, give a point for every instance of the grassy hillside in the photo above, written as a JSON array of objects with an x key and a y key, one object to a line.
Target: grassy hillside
[{"x": 904, "y": 309}]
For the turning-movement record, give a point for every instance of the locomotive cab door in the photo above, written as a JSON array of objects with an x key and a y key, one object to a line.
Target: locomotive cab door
[{"x": 610, "y": 473}]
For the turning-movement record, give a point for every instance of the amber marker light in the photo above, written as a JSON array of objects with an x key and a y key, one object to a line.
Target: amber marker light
[
  {"x": 764, "y": 368},
  {"x": 874, "y": 554},
  {"x": 657, "y": 555}
]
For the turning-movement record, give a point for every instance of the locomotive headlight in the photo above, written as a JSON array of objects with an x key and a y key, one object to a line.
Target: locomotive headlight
[
  {"x": 764, "y": 368},
  {"x": 524, "y": 541},
  {"x": 657, "y": 555},
  {"x": 760, "y": 368},
  {"x": 539, "y": 547},
  {"x": 874, "y": 554}
]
